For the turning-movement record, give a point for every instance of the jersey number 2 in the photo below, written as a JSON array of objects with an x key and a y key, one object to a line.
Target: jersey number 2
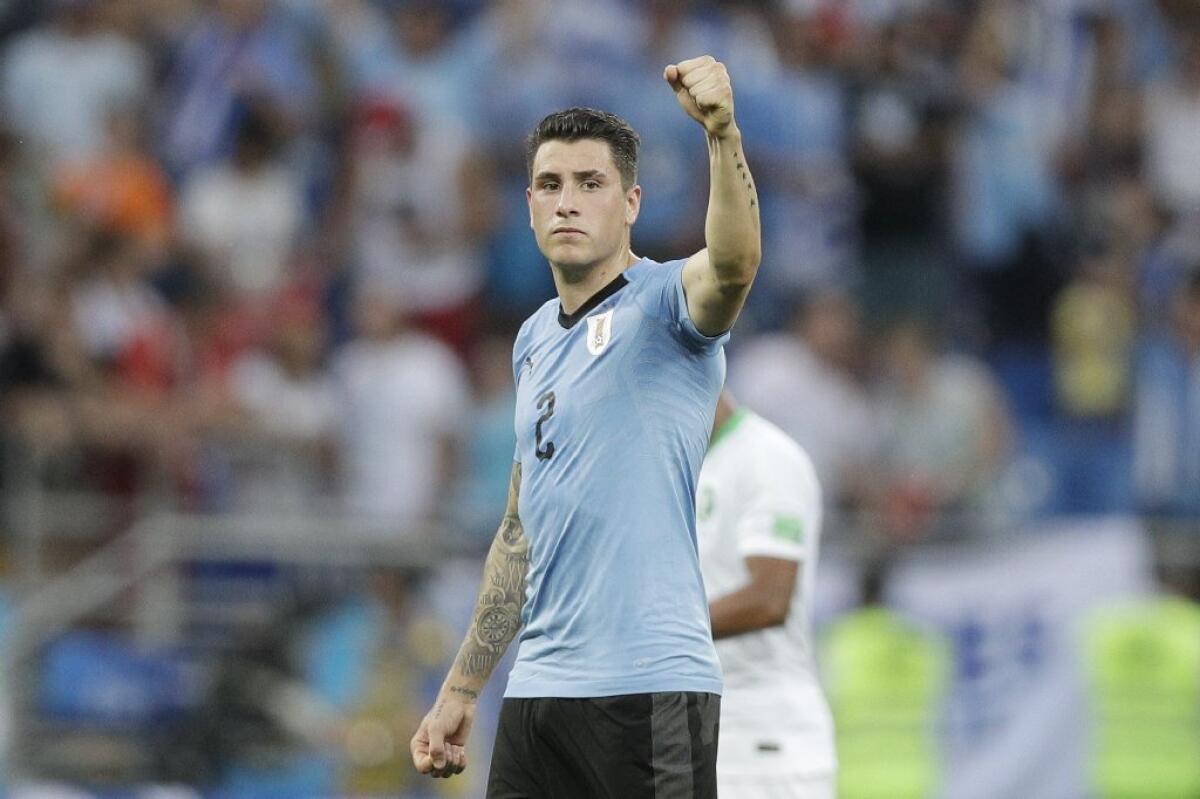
[{"x": 544, "y": 451}]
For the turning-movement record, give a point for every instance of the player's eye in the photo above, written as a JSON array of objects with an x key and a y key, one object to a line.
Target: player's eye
[
  {"x": 591, "y": 185},
  {"x": 549, "y": 185}
]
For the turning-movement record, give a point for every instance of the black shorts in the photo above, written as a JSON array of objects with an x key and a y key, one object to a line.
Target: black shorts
[{"x": 638, "y": 746}]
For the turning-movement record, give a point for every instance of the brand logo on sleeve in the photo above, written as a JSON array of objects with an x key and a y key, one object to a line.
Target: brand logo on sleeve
[
  {"x": 789, "y": 528},
  {"x": 599, "y": 332}
]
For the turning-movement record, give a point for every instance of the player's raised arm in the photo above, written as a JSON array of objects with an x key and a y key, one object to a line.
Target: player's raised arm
[
  {"x": 438, "y": 747},
  {"x": 717, "y": 279}
]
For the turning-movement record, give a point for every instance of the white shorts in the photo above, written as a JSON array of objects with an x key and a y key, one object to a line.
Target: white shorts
[{"x": 766, "y": 786}]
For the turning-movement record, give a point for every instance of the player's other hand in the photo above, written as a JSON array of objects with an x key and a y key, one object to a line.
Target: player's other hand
[
  {"x": 439, "y": 746},
  {"x": 702, "y": 87}
]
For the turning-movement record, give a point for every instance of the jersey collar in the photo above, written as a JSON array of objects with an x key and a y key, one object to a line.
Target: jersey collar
[{"x": 569, "y": 320}]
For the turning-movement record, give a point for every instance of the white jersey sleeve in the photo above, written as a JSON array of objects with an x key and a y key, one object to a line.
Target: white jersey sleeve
[{"x": 781, "y": 515}]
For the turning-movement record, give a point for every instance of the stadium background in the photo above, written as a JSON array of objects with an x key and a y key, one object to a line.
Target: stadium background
[{"x": 260, "y": 266}]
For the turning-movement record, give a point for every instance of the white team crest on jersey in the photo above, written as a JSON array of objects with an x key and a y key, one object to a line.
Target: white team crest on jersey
[{"x": 599, "y": 332}]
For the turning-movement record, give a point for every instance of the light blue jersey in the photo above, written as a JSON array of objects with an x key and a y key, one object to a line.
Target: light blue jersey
[{"x": 614, "y": 408}]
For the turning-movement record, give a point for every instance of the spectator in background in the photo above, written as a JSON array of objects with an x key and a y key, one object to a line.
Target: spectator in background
[
  {"x": 1116, "y": 215},
  {"x": 1106, "y": 146},
  {"x": 804, "y": 379},
  {"x": 43, "y": 368},
  {"x": 488, "y": 448},
  {"x": 594, "y": 43},
  {"x": 403, "y": 399},
  {"x": 671, "y": 26},
  {"x": 283, "y": 445},
  {"x": 945, "y": 437},
  {"x": 153, "y": 25},
  {"x": 61, "y": 81},
  {"x": 420, "y": 205},
  {"x": 269, "y": 721},
  {"x": 1093, "y": 333},
  {"x": 523, "y": 77},
  {"x": 1093, "y": 326},
  {"x": 13, "y": 227},
  {"x": 1140, "y": 659},
  {"x": 901, "y": 95},
  {"x": 110, "y": 298},
  {"x": 32, "y": 237},
  {"x": 399, "y": 646},
  {"x": 70, "y": 406},
  {"x": 313, "y": 700},
  {"x": 807, "y": 195},
  {"x": 244, "y": 214},
  {"x": 1163, "y": 254},
  {"x": 236, "y": 49},
  {"x": 888, "y": 677},
  {"x": 174, "y": 374},
  {"x": 189, "y": 351},
  {"x": 413, "y": 50},
  {"x": 1172, "y": 119},
  {"x": 1004, "y": 193},
  {"x": 120, "y": 187},
  {"x": 523, "y": 82},
  {"x": 1167, "y": 410},
  {"x": 670, "y": 170}
]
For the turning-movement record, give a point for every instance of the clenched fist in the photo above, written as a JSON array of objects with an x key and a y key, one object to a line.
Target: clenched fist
[
  {"x": 439, "y": 746},
  {"x": 702, "y": 87}
]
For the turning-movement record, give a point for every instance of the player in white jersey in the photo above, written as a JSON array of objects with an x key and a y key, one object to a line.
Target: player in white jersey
[{"x": 758, "y": 512}]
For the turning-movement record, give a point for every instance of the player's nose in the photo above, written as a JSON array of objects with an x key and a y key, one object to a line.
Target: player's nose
[{"x": 566, "y": 202}]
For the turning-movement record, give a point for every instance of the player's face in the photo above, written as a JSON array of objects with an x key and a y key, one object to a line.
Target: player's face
[{"x": 578, "y": 210}]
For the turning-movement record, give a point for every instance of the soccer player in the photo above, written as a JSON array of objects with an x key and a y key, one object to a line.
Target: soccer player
[
  {"x": 615, "y": 689},
  {"x": 758, "y": 512}
]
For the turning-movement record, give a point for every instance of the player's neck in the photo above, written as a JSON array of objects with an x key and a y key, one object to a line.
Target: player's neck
[{"x": 576, "y": 285}]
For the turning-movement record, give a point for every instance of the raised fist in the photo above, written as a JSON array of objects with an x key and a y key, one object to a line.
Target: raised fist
[{"x": 702, "y": 87}]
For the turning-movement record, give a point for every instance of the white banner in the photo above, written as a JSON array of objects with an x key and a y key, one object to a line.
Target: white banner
[{"x": 1016, "y": 719}]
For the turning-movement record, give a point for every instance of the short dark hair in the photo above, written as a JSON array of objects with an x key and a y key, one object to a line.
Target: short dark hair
[{"x": 574, "y": 124}]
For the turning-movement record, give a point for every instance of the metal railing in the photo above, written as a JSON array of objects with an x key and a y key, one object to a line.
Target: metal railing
[{"x": 145, "y": 560}]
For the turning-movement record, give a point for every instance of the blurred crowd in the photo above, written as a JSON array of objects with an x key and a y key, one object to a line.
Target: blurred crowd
[{"x": 270, "y": 255}]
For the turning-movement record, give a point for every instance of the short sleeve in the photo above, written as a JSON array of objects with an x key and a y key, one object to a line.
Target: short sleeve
[
  {"x": 665, "y": 291},
  {"x": 519, "y": 358},
  {"x": 781, "y": 517}
]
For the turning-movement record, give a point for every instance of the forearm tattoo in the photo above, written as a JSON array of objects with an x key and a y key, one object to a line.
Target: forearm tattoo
[
  {"x": 744, "y": 173},
  {"x": 502, "y": 595}
]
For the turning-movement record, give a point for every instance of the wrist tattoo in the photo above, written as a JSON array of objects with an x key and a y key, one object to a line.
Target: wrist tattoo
[{"x": 466, "y": 693}]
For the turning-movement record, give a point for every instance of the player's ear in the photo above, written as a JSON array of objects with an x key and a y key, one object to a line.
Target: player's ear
[
  {"x": 633, "y": 204},
  {"x": 529, "y": 202}
]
